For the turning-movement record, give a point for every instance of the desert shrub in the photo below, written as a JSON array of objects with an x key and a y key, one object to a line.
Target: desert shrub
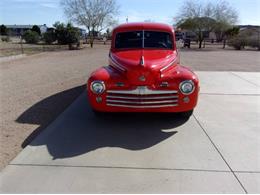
[
  {"x": 73, "y": 35},
  {"x": 37, "y": 29},
  {"x": 3, "y": 30},
  {"x": 66, "y": 34},
  {"x": 49, "y": 37},
  {"x": 5, "y": 38},
  {"x": 238, "y": 42},
  {"x": 31, "y": 37},
  {"x": 254, "y": 42},
  {"x": 61, "y": 32}
]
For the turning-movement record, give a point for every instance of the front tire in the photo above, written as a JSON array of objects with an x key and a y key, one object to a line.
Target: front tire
[
  {"x": 98, "y": 113},
  {"x": 186, "y": 114}
]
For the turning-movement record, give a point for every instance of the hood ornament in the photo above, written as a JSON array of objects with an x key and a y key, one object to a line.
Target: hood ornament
[{"x": 142, "y": 61}]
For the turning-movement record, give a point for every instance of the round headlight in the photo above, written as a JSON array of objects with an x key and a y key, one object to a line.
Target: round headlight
[
  {"x": 187, "y": 87},
  {"x": 97, "y": 87}
]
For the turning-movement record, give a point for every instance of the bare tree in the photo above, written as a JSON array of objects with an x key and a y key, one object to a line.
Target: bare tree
[
  {"x": 206, "y": 17},
  {"x": 225, "y": 17},
  {"x": 196, "y": 17},
  {"x": 95, "y": 15}
]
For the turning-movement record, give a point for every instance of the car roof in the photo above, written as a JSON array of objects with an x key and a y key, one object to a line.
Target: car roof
[{"x": 143, "y": 26}]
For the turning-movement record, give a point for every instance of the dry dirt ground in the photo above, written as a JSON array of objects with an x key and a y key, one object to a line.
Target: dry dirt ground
[
  {"x": 15, "y": 48},
  {"x": 35, "y": 89}
]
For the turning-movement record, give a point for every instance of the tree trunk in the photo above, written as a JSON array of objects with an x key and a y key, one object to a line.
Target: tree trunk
[
  {"x": 224, "y": 43},
  {"x": 91, "y": 41},
  {"x": 200, "y": 39},
  {"x": 70, "y": 46},
  {"x": 92, "y": 37},
  {"x": 200, "y": 43}
]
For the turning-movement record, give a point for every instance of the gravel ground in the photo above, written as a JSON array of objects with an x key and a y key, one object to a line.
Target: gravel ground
[{"x": 36, "y": 89}]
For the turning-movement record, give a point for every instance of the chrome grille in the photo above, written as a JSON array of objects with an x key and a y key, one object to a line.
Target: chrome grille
[{"x": 142, "y": 97}]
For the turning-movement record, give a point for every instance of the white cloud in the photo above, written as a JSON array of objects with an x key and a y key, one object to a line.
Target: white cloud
[{"x": 49, "y": 5}]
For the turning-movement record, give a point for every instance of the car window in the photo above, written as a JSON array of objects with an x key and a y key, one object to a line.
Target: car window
[
  {"x": 150, "y": 39},
  {"x": 154, "y": 39},
  {"x": 132, "y": 39}
]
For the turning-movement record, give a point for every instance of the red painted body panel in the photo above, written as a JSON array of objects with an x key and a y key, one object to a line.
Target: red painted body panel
[{"x": 159, "y": 66}]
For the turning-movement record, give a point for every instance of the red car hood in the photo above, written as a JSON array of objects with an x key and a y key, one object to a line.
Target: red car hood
[
  {"x": 152, "y": 59},
  {"x": 143, "y": 66}
]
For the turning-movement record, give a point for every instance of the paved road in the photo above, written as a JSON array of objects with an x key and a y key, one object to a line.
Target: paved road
[{"x": 216, "y": 151}]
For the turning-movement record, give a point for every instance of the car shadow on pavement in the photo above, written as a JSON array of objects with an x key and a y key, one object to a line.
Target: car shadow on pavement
[
  {"x": 47, "y": 110},
  {"x": 80, "y": 131}
]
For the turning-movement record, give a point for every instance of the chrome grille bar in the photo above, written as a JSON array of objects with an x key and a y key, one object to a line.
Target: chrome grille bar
[
  {"x": 143, "y": 90},
  {"x": 142, "y": 98},
  {"x": 141, "y": 102},
  {"x": 142, "y": 106}
]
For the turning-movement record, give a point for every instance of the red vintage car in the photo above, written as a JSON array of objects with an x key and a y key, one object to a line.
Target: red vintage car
[{"x": 144, "y": 73}]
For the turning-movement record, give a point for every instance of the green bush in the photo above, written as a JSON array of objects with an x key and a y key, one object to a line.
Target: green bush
[
  {"x": 49, "y": 37},
  {"x": 61, "y": 33},
  {"x": 238, "y": 42},
  {"x": 66, "y": 34},
  {"x": 73, "y": 36},
  {"x": 5, "y": 39},
  {"x": 254, "y": 42},
  {"x": 37, "y": 29},
  {"x": 31, "y": 37},
  {"x": 3, "y": 30}
]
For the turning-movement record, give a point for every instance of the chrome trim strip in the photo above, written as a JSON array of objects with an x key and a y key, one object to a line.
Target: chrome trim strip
[
  {"x": 143, "y": 98},
  {"x": 142, "y": 61},
  {"x": 143, "y": 106},
  {"x": 115, "y": 66},
  {"x": 170, "y": 64},
  {"x": 115, "y": 63},
  {"x": 142, "y": 90},
  {"x": 142, "y": 102}
]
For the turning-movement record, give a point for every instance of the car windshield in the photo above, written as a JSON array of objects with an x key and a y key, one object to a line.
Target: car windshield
[{"x": 150, "y": 39}]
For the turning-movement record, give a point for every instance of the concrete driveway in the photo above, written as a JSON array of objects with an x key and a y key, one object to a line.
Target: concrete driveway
[{"x": 216, "y": 151}]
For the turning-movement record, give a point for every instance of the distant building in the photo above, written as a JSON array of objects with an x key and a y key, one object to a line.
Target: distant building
[
  {"x": 43, "y": 28},
  {"x": 18, "y": 30},
  {"x": 251, "y": 31},
  {"x": 245, "y": 27},
  {"x": 185, "y": 34},
  {"x": 212, "y": 36}
]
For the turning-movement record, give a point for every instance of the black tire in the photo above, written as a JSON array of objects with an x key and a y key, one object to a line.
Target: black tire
[
  {"x": 98, "y": 113},
  {"x": 187, "y": 114}
]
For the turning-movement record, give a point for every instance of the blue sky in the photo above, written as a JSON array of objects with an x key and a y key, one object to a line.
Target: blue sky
[{"x": 49, "y": 11}]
